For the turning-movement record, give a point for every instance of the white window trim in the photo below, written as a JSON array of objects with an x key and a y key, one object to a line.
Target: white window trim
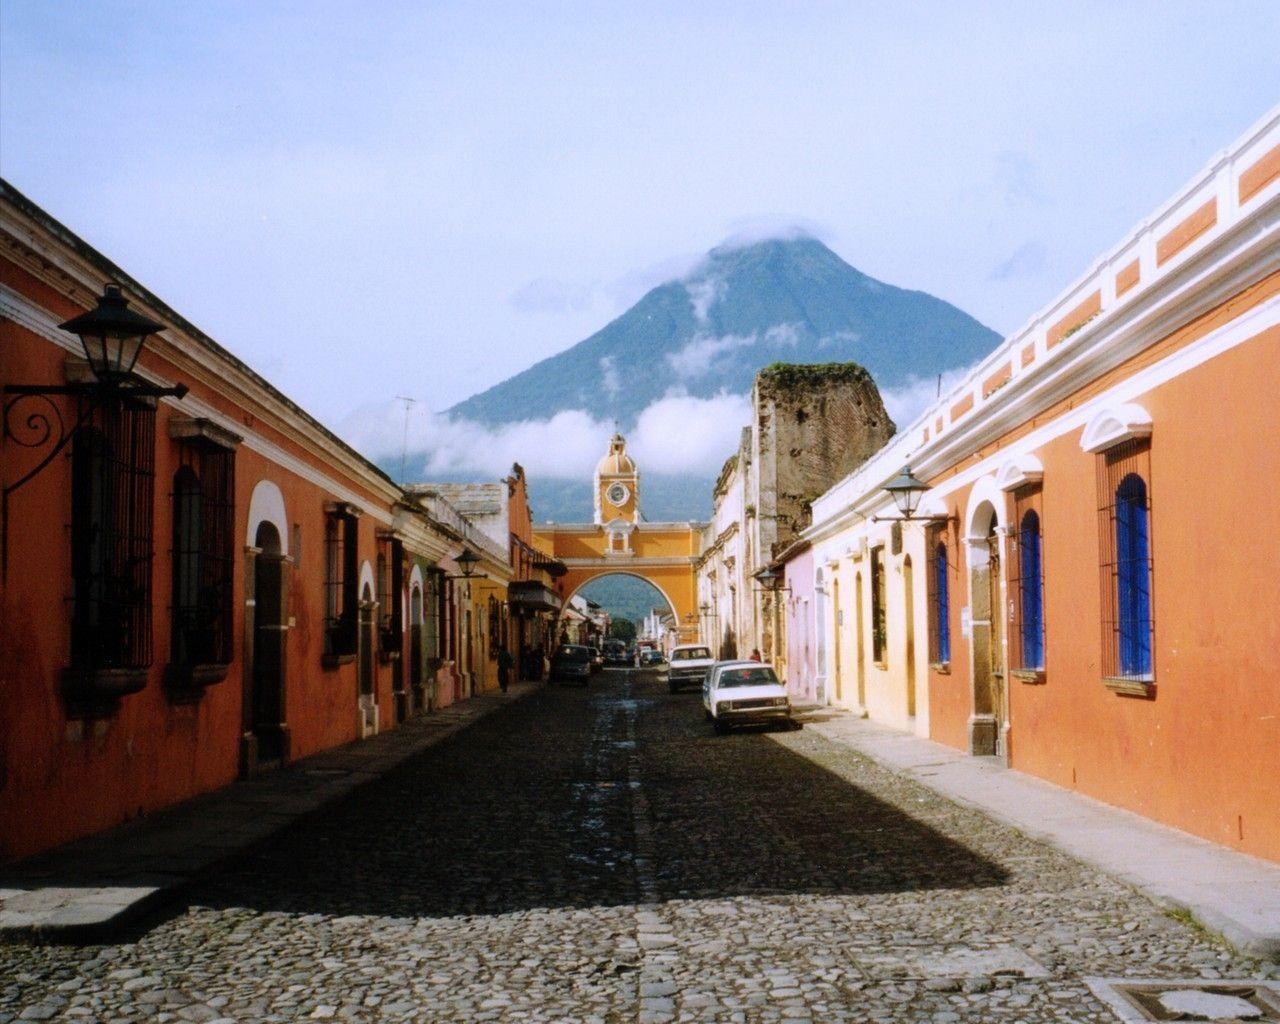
[{"x": 1114, "y": 425}]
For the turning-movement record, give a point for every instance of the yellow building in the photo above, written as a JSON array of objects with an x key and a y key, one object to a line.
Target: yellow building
[{"x": 621, "y": 541}]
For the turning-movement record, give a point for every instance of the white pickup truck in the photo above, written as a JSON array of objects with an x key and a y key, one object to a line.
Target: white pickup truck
[{"x": 688, "y": 666}]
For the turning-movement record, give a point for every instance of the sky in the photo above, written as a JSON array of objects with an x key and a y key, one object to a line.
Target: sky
[{"x": 370, "y": 200}]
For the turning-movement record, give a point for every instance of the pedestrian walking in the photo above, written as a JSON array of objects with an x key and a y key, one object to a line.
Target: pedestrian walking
[{"x": 505, "y": 661}]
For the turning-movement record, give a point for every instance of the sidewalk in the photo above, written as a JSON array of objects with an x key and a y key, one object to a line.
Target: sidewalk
[
  {"x": 89, "y": 890},
  {"x": 1231, "y": 893}
]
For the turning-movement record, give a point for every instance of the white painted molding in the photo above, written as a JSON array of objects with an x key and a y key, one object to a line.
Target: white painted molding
[
  {"x": 1114, "y": 425},
  {"x": 1019, "y": 471},
  {"x": 367, "y": 581},
  {"x": 985, "y": 492},
  {"x": 932, "y": 505},
  {"x": 266, "y": 505}
]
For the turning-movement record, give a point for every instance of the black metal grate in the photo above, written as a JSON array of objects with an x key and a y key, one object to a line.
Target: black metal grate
[
  {"x": 1026, "y": 581},
  {"x": 341, "y": 635},
  {"x": 939, "y": 590},
  {"x": 112, "y": 507},
  {"x": 1127, "y": 566},
  {"x": 879, "y": 635},
  {"x": 203, "y": 555}
]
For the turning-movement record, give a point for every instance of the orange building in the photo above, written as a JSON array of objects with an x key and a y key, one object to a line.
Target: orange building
[
  {"x": 199, "y": 580},
  {"x": 1089, "y": 588}
]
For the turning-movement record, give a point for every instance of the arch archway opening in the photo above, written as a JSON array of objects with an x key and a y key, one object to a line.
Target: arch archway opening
[{"x": 636, "y": 610}]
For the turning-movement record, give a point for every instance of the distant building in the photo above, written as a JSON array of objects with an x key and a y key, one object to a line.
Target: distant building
[{"x": 811, "y": 425}]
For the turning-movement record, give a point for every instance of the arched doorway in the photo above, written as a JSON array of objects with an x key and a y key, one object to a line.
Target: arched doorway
[
  {"x": 988, "y": 724},
  {"x": 908, "y": 600},
  {"x": 837, "y": 620},
  {"x": 266, "y": 736},
  {"x": 859, "y": 640},
  {"x": 364, "y": 661},
  {"x": 416, "y": 690}
]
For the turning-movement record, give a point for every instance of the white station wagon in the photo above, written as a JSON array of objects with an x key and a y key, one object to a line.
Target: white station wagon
[{"x": 742, "y": 693}]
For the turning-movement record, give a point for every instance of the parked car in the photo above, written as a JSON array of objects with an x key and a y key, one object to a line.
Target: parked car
[
  {"x": 689, "y": 666},
  {"x": 615, "y": 653},
  {"x": 571, "y": 663},
  {"x": 652, "y": 659},
  {"x": 744, "y": 693},
  {"x": 597, "y": 659}
]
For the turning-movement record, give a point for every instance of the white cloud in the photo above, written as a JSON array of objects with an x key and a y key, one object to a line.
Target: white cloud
[
  {"x": 703, "y": 294},
  {"x": 904, "y": 404},
  {"x": 609, "y": 378},
  {"x": 697, "y": 357},
  {"x": 783, "y": 334},
  {"x": 683, "y": 434},
  {"x": 676, "y": 434}
]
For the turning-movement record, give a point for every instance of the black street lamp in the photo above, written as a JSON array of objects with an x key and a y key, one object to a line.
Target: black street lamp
[
  {"x": 907, "y": 490},
  {"x": 112, "y": 336},
  {"x": 771, "y": 581},
  {"x": 466, "y": 560}
]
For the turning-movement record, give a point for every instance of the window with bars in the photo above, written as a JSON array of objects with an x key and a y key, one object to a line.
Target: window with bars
[
  {"x": 112, "y": 502},
  {"x": 203, "y": 502},
  {"x": 1124, "y": 529},
  {"x": 879, "y": 636},
  {"x": 939, "y": 601},
  {"x": 433, "y": 617},
  {"x": 390, "y": 575},
  {"x": 341, "y": 606},
  {"x": 1026, "y": 638}
]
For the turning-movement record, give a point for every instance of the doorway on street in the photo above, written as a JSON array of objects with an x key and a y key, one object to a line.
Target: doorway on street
[
  {"x": 267, "y": 733},
  {"x": 988, "y": 724}
]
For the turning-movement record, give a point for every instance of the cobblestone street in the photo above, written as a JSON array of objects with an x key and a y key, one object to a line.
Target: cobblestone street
[{"x": 599, "y": 855}]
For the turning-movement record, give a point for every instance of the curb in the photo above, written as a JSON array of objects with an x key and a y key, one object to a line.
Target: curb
[{"x": 72, "y": 895}]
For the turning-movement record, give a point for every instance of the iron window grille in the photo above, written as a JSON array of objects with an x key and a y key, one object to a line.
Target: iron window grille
[
  {"x": 433, "y": 615},
  {"x": 112, "y": 509},
  {"x": 390, "y": 574},
  {"x": 342, "y": 606},
  {"x": 879, "y": 636},
  {"x": 1124, "y": 531},
  {"x": 1026, "y": 571},
  {"x": 495, "y": 627},
  {"x": 939, "y": 601},
  {"x": 203, "y": 500}
]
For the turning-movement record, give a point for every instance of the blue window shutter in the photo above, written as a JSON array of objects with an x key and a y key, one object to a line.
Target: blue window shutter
[
  {"x": 944, "y": 604},
  {"x": 1031, "y": 595},
  {"x": 1133, "y": 576}
]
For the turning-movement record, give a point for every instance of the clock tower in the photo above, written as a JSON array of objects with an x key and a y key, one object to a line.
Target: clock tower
[{"x": 617, "y": 490}]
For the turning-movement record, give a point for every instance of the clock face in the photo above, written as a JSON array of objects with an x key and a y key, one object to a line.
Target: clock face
[{"x": 617, "y": 493}]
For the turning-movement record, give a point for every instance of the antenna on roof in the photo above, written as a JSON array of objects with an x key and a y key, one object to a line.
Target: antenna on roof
[{"x": 404, "y": 447}]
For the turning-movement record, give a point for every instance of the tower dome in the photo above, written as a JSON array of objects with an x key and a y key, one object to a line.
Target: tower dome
[
  {"x": 617, "y": 462},
  {"x": 617, "y": 485}
]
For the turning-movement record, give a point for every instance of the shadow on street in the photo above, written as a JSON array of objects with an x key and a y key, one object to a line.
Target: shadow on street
[{"x": 536, "y": 806}]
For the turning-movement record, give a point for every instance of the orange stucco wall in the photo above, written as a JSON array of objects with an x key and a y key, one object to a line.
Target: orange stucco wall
[
  {"x": 63, "y": 778},
  {"x": 1203, "y": 753}
]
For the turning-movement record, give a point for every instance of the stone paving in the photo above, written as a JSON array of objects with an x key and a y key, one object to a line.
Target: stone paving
[{"x": 602, "y": 857}]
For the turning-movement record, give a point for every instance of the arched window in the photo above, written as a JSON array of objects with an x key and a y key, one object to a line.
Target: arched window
[
  {"x": 204, "y": 551},
  {"x": 939, "y": 607},
  {"x": 1031, "y": 591},
  {"x": 189, "y": 638},
  {"x": 1133, "y": 576}
]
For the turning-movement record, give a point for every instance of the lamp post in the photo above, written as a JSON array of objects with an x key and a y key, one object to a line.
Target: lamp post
[
  {"x": 770, "y": 581},
  {"x": 112, "y": 337},
  {"x": 907, "y": 490}
]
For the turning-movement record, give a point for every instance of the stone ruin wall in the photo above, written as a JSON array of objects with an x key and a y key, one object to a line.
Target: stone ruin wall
[{"x": 816, "y": 424}]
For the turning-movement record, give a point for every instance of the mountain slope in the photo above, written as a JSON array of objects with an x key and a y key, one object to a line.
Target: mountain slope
[{"x": 791, "y": 300}]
